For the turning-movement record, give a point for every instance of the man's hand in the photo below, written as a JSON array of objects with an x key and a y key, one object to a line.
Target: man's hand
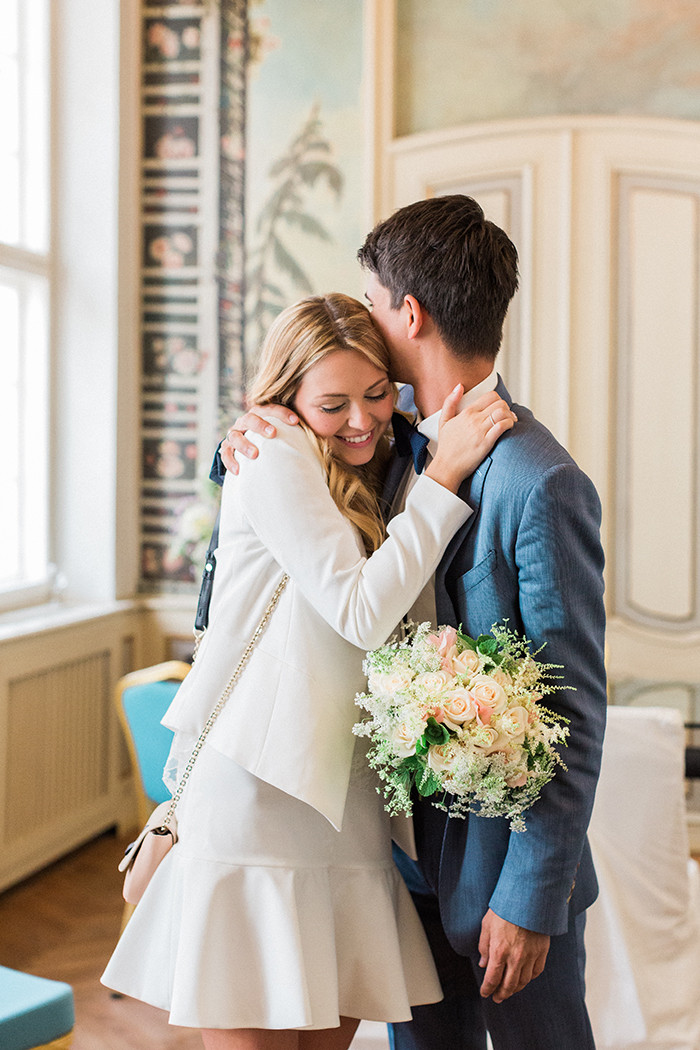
[
  {"x": 512, "y": 956},
  {"x": 235, "y": 440}
]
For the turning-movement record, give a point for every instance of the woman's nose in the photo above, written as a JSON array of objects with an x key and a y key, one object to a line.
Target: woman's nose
[{"x": 360, "y": 418}]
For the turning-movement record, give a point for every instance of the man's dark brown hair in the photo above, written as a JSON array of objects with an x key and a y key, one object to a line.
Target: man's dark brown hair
[{"x": 462, "y": 269}]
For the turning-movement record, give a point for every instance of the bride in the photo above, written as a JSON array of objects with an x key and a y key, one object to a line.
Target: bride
[{"x": 278, "y": 920}]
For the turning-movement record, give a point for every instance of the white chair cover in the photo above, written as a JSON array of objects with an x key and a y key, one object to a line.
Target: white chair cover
[{"x": 643, "y": 933}]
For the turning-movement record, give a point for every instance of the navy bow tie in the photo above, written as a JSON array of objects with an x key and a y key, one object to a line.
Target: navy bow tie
[{"x": 409, "y": 441}]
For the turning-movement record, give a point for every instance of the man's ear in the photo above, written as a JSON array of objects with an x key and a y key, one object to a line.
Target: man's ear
[{"x": 415, "y": 316}]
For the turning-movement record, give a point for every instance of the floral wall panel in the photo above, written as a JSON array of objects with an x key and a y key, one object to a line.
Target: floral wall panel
[{"x": 185, "y": 277}]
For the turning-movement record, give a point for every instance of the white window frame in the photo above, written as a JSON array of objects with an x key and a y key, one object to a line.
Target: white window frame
[{"x": 26, "y": 268}]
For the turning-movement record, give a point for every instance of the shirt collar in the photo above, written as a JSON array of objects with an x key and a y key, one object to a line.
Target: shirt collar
[{"x": 430, "y": 426}]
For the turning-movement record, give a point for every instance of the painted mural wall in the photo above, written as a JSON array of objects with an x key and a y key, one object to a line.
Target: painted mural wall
[
  {"x": 460, "y": 62},
  {"x": 252, "y": 198},
  {"x": 304, "y": 157}
]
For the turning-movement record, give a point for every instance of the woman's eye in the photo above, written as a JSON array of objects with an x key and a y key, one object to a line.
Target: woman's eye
[
  {"x": 330, "y": 409},
  {"x": 377, "y": 397}
]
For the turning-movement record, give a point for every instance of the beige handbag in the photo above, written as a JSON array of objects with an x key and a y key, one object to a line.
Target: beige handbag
[{"x": 159, "y": 834}]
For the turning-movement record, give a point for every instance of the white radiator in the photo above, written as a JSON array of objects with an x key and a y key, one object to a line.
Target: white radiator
[{"x": 64, "y": 773}]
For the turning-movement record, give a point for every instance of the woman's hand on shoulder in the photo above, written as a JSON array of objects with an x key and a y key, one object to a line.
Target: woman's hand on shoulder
[
  {"x": 236, "y": 443},
  {"x": 468, "y": 436}
]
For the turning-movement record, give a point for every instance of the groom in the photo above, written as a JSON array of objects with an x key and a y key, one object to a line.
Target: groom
[{"x": 504, "y": 911}]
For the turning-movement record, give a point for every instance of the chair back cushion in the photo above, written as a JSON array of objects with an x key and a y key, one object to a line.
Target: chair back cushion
[{"x": 144, "y": 705}]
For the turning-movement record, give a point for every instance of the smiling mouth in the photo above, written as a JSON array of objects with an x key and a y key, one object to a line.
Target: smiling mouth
[{"x": 359, "y": 441}]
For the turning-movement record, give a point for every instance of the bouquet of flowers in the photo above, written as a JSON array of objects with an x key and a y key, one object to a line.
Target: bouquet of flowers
[{"x": 449, "y": 714}]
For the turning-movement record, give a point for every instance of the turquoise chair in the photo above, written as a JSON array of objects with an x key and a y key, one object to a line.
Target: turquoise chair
[
  {"x": 142, "y": 698},
  {"x": 35, "y": 1013}
]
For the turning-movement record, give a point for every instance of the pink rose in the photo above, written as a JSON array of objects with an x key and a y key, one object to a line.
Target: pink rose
[
  {"x": 446, "y": 645},
  {"x": 517, "y": 781},
  {"x": 444, "y": 640}
]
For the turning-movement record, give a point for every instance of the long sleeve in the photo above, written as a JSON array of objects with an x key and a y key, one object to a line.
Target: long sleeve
[
  {"x": 560, "y": 564},
  {"x": 285, "y": 499}
]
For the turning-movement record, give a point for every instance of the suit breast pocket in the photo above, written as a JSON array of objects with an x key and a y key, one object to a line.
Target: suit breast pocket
[
  {"x": 463, "y": 590},
  {"x": 474, "y": 576}
]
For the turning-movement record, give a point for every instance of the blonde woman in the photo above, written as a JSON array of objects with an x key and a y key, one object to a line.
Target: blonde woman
[{"x": 278, "y": 920}]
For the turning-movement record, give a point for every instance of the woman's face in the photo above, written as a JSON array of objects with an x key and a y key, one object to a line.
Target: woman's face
[{"x": 347, "y": 399}]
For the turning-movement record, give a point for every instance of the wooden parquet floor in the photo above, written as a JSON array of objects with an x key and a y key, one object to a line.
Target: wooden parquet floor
[{"x": 63, "y": 924}]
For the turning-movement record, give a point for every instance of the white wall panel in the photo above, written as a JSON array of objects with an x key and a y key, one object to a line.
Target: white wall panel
[
  {"x": 523, "y": 170},
  {"x": 656, "y": 431},
  {"x": 604, "y": 340}
]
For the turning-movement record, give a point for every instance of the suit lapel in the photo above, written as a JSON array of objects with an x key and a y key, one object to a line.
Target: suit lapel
[
  {"x": 397, "y": 469},
  {"x": 471, "y": 492}
]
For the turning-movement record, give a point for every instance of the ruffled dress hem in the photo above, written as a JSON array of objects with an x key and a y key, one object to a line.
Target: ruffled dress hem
[{"x": 218, "y": 945}]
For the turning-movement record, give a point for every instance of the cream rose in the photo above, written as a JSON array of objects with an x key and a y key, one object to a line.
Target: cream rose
[
  {"x": 405, "y": 737},
  {"x": 458, "y": 707},
  {"x": 441, "y": 757},
  {"x": 390, "y": 682},
  {"x": 513, "y": 724},
  {"x": 502, "y": 677},
  {"x": 433, "y": 682},
  {"x": 489, "y": 696},
  {"x": 484, "y": 738},
  {"x": 466, "y": 662}
]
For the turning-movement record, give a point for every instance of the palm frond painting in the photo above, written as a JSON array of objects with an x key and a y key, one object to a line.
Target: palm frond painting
[{"x": 275, "y": 275}]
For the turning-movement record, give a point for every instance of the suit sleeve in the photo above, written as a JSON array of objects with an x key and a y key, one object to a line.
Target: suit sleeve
[
  {"x": 285, "y": 498},
  {"x": 560, "y": 577}
]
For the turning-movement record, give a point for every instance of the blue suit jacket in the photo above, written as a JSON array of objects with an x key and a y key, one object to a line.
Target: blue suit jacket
[{"x": 530, "y": 554}]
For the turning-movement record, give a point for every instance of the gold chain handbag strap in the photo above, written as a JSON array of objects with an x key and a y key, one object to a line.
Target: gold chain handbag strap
[{"x": 224, "y": 697}]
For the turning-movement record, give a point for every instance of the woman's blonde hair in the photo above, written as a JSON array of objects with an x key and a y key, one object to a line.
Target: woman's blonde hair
[{"x": 300, "y": 337}]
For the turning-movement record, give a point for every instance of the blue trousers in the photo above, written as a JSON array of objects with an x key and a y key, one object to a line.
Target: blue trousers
[{"x": 548, "y": 1014}]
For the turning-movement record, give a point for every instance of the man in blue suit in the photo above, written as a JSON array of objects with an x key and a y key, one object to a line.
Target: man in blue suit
[{"x": 504, "y": 911}]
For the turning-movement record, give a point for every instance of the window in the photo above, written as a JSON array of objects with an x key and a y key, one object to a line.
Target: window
[{"x": 25, "y": 267}]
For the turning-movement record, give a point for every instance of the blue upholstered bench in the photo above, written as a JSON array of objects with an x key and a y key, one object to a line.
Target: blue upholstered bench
[{"x": 34, "y": 1013}]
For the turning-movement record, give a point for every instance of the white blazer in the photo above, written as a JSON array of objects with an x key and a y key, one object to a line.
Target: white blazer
[{"x": 289, "y": 719}]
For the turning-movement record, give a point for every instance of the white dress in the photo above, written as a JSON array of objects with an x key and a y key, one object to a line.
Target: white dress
[
  {"x": 275, "y": 920},
  {"x": 280, "y": 906}
]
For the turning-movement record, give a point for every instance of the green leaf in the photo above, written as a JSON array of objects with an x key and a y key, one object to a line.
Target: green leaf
[
  {"x": 428, "y": 784},
  {"x": 468, "y": 642},
  {"x": 311, "y": 171},
  {"x": 307, "y": 223},
  {"x": 486, "y": 645},
  {"x": 286, "y": 262},
  {"x": 412, "y": 763},
  {"x": 435, "y": 733}
]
